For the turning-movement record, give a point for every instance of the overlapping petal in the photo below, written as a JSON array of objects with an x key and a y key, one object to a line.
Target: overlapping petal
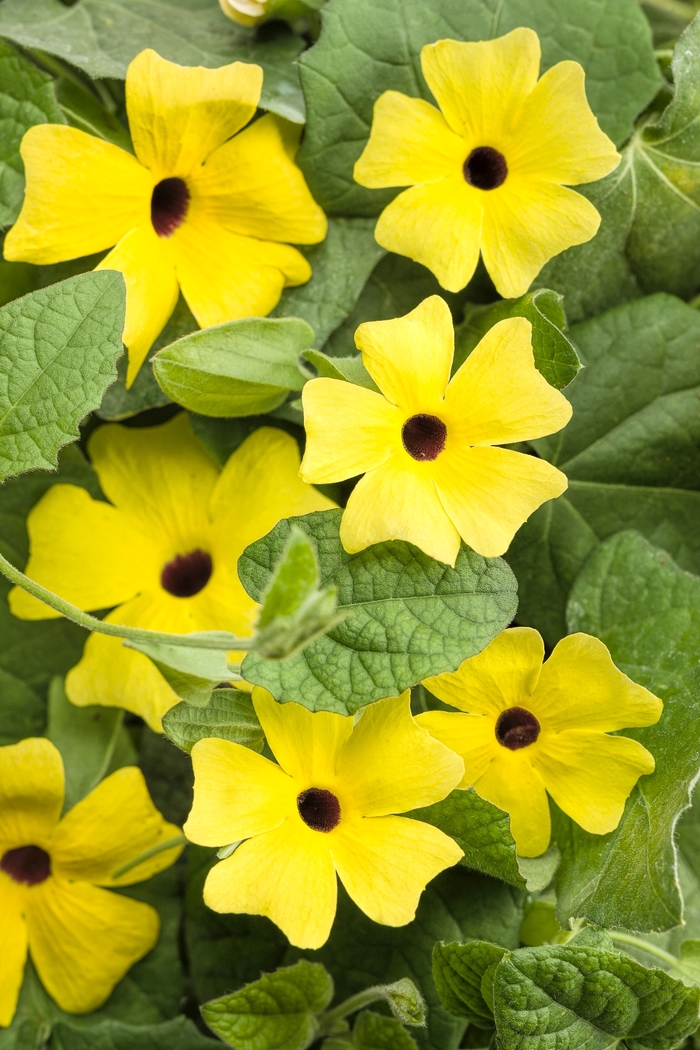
[
  {"x": 112, "y": 825},
  {"x": 178, "y": 115},
  {"x": 83, "y": 939},
  {"x": 31, "y": 792},
  {"x": 82, "y": 195},
  {"x": 513, "y": 402},
  {"x": 306, "y": 744},
  {"x": 287, "y": 874},
  {"x": 385, "y": 864},
  {"x": 410, "y": 142},
  {"x": 392, "y": 764},
  {"x": 514, "y": 784},
  {"x": 472, "y": 737},
  {"x": 14, "y": 946}
]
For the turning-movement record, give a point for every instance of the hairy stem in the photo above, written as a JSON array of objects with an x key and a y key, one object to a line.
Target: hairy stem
[
  {"x": 331, "y": 1018},
  {"x": 645, "y": 946}
]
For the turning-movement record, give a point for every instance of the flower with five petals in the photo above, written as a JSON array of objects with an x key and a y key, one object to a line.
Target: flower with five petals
[
  {"x": 203, "y": 206},
  {"x": 329, "y": 806},
  {"x": 488, "y": 171},
  {"x": 530, "y": 729},
  {"x": 164, "y": 551},
  {"x": 425, "y": 443},
  {"x": 54, "y": 872}
]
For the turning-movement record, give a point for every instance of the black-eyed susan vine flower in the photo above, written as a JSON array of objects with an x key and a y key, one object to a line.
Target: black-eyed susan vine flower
[
  {"x": 425, "y": 443},
  {"x": 532, "y": 729},
  {"x": 328, "y": 807},
  {"x": 164, "y": 550},
  {"x": 55, "y": 873},
  {"x": 203, "y": 206},
  {"x": 488, "y": 171}
]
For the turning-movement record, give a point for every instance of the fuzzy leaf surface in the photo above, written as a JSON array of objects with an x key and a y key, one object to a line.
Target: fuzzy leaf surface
[
  {"x": 647, "y": 611},
  {"x": 375, "y": 1032},
  {"x": 101, "y": 37},
  {"x": 178, "y": 1034},
  {"x": 228, "y": 715},
  {"x": 631, "y": 452},
  {"x": 408, "y": 617},
  {"x": 459, "y": 971},
  {"x": 60, "y": 346},
  {"x": 367, "y": 48}
]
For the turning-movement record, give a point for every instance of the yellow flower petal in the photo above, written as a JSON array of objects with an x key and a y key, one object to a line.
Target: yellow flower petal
[
  {"x": 502, "y": 675},
  {"x": 146, "y": 262},
  {"x": 31, "y": 793},
  {"x": 514, "y": 785},
  {"x": 160, "y": 478},
  {"x": 306, "y": 744},
  {"x": 558, "y": 137},
  {"x": 178, "y": 115},
  {"x": 472, "y": 737},
  {"x": 580, "y": 688},
  {"x": 83, "y": 195},
  {"x": 14, "y": 946},
  {"x": 498, "y": 396},
  {"x": 103, "y": 559},
  {"x": 385, "y": 863},
  {"x": 439, "y": 225},
  {"x": 224, "y": 276},
  {"x": 251, "y": 186},
  {"x": 237, "y": 793},
  {"x": 349, "y": 430},
  {"x": 590, "y": 775},
  {"x": 83, "y": 940},
  {"x": 410, "y": 142},
  {"x": 399, "y": 501},
  {"x": 410, "y": 357},
  {"x": 286, "y": 874},
  {"x": 115, "y": 823},
  {"x": 528, "y": 221},
  {"x": 489, "y": 492},
  {"x": 374, "y": 761},
  {"x": 481, "y": 86}
]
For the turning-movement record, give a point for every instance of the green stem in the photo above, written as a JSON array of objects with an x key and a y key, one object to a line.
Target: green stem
[
  {"x": 178, "y": 840},
  {"x": 329, "y": 1020},
  {"x": 645, "y": 946},
  {"x": 675, "y": 8},
  {"x": 214, "y": 640}
]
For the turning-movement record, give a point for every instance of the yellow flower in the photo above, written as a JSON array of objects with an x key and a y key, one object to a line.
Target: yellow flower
[
  {"x": 81, "y": 938},
  {"x": 424, "y": 442},
  {"x": 195, "y": 209},
  {"x": 164, "y": 551},
  {"x": 327, "y": 807},
  {"x": 487, "y": 169},
  {"x": 530, "y": 729}
]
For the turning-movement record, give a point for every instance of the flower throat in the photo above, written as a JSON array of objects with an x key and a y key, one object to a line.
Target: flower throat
[
  {"x": 187, "y": 574},
  {"x": 28, "y": 865},
  {"x": 485, "y": 168},
  {"x": 169, "y": 205}
]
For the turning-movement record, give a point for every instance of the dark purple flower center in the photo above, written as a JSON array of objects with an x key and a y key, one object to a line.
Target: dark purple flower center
[
  {"x": 517, "y": 728},
  {"x": 169, "y": 205},
  {"x": 29, "y": 865},
  {"x": 485, "y": 168},
  {"x": 424, "y": 437},
  {"x": 186, "y": 574},
  {"x": 319, "y": 809}
]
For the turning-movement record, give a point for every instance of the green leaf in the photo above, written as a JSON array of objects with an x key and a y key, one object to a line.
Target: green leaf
[
  {"x": 26, "y": 98},
  {"x": 346, "y": 369},
  {"x": 405, "y": 1001},
  {"x": 590, "y": 997},
  {"x": 410, "y": 617},
  {"x": 60, "y": 346},
  {"x": 540, "y": 924},
  {"x": 229, "y": 715},
  {"x": 86, "y": 738},
  {"x": 277, "y": 1012},
  {"x": 459, "y": 971},
  {"x": 239, "y": 368},
  {"x": 631, "y": 453},
  {"x": 554, "y": 355},
  {"x": 366, "y": 48},
  {"x": 179, "y": 1034},
  {"x": 168, "y": 774},
  {"x": 83, "y": 110},
  {"x": 191, "y": 673},
  {"x": 373, "y": 1031},
  {"x": 294, "y": 579},
  {"x": 647, "y": 611},
  {"x": 101, "y": 37},
  {"x": 340, "y": 267}
]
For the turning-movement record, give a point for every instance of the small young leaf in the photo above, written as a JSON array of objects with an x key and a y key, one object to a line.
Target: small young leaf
[
  {"x": 411, "y": 617},
  {"x": 295, "y": 578},
  {"x": 375, "y": 1032},
  {"x": 459, "y": 971},
  {"x": 59, "y": 350},
  {"x": 405, "y": 1002},
  {"x": 347, "y": 369},
  {"x": 240, "y": 368},
  {"x": 277, "y": 1012},
  {"x": 191, "y": 673},
  {"x": 229, "y": 715},
  {"x": 555, "y": 357}
]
